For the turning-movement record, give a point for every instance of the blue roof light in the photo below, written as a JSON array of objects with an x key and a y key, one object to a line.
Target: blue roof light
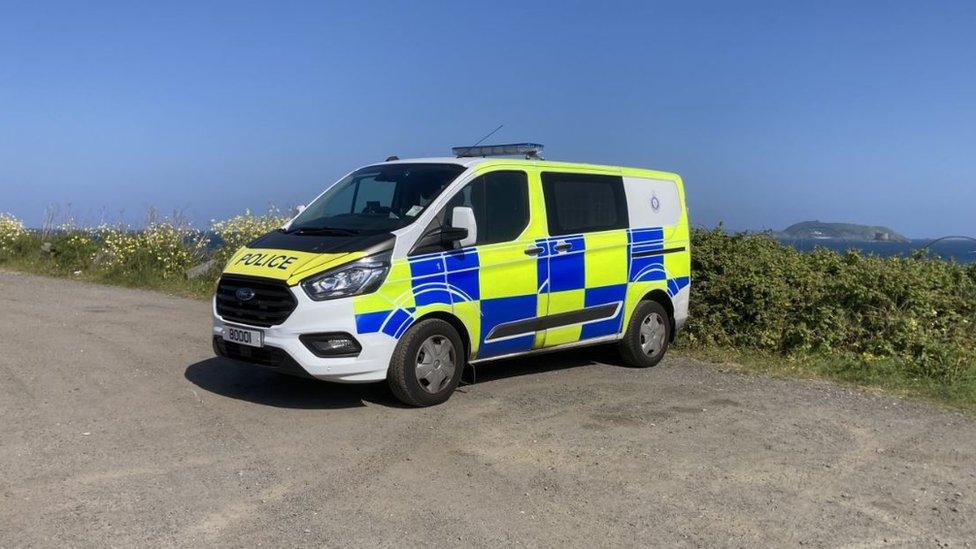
[{"x": 529, "y": 150}]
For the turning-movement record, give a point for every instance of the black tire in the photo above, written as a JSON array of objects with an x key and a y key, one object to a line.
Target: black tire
[
  {"x": 403, "y": 376},
  {"x": 633, "y": 345}
]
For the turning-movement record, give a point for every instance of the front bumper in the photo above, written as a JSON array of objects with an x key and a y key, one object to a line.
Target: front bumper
[
  {"x": 271, "y": 358},
  {"x": 283, "y": 350}
]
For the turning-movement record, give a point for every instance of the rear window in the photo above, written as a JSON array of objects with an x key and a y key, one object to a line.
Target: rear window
[{"x": 583, "y": 203}]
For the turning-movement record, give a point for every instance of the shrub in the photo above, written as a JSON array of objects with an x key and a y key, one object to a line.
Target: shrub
[
  {"x": 750, "y": 292},
  {"x": 73, "y": 250},
  {"x": 12, "y": 235},
  {"x": 241, "y": 229},
  {"x": 162, "y": 247}
]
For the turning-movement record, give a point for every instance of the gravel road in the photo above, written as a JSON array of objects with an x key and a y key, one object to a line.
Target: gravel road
[{"x": 120, "y": 428}]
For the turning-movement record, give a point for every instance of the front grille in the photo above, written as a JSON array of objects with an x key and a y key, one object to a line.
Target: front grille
[
  {"x": 272, "y": 358},
  {"x": 271, "y": 304}
]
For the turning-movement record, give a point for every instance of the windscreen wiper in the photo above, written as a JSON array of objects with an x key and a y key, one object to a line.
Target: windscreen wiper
[{"x": 326, "y": 231}]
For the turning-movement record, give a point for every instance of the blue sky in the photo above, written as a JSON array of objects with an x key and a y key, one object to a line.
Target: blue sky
[{"x": 773, "y": 112}]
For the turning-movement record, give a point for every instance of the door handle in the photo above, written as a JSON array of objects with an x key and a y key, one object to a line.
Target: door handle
[
  {"x": 533, "y": 250},
  {"x": 563, "y": 247}
]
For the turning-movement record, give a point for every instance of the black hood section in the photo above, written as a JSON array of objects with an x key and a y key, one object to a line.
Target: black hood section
[{"x": 325, "y": 244}]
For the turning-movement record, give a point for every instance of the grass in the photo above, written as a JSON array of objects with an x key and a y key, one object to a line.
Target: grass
[
  {"x": 884, "y": 375},
  {"x": 145, "y": 279}
]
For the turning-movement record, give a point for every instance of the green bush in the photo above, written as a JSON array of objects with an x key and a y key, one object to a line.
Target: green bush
[
  {"x": 162, "y": 247},
  {"x": 72, "y": 251},
  {"x": 154, "y": 256},
  {"x": 750, "y": 292},
  {"x": 241, "y": 229},
  {"x": 14, "y": 238}
]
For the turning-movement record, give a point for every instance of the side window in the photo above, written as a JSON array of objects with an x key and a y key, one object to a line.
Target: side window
[
  {"x": 500, "y": 201},
  {"x": 581, "y": 203}
]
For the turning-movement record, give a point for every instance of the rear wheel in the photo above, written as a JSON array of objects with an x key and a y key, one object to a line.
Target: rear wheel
[
  {"x": 647, "y": 336},
  {"x": 427, "y": 363}
]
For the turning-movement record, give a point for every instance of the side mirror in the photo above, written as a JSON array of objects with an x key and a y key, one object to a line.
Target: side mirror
[
  {"x": 441, "y": 238},
  {"x": 449, "y": 235},
  {"x": 462, "y": 217}
]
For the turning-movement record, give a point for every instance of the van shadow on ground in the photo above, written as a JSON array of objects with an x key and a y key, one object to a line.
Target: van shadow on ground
[{"x": 251, "y": 383}]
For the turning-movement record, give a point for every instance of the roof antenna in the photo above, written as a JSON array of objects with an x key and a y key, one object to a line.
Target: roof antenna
[{"x": 480, "y": 141}]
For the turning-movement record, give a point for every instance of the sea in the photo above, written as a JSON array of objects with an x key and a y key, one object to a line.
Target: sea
[{"x": 961, "y": 251}]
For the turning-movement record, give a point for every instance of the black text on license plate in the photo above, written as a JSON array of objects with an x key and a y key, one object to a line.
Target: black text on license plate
[{"x": 244, "y": 337}]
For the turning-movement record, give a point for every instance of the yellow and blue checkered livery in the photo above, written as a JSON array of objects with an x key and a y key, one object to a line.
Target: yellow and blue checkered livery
[{"x": 498, "y": 285}]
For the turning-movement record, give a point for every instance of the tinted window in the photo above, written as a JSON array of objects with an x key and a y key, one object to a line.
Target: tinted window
[
  {"x": 500, "y": 201},
  {"x": 581, "y": 203}
]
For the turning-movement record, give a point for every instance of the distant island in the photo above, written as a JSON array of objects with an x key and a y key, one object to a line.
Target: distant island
[{"x": 842, "y": 231}]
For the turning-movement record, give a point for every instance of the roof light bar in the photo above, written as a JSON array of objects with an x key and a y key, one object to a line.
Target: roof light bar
[{"x": 530, "y": 150}]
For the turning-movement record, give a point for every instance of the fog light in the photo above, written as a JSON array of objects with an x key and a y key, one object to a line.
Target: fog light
[{"x": 331, "y": 345}]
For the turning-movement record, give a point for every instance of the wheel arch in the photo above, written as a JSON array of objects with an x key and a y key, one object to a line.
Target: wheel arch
[
  {"x": 664, "y": 299},
  {"x": 458, "y": 326}
]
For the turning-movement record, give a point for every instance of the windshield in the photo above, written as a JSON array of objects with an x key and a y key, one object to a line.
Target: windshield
[{"x": 376, "y": 199}]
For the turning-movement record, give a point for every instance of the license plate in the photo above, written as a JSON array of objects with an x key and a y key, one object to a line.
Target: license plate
[{"x": 251, "y": 338}]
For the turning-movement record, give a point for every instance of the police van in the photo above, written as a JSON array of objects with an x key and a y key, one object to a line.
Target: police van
[{"x": 407, "y": 270}]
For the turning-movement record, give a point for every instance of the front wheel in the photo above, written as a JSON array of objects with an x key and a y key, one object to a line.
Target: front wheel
[
  {"x": 427, "y": 363},
  {"x": 647, "y": 336}
]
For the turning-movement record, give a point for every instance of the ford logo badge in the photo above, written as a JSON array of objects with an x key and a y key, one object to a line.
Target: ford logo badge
[{"x": 244, "y": 294}]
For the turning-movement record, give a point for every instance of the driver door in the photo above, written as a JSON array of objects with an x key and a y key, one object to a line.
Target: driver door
[{"x": 494, "y": 282}]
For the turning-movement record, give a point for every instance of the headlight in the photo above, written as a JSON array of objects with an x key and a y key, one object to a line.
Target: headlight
[{"x": 361, "y": 277}]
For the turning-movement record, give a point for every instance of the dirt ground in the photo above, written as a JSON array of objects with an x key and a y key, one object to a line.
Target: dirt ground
[{"x": 120, "y": 428}]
